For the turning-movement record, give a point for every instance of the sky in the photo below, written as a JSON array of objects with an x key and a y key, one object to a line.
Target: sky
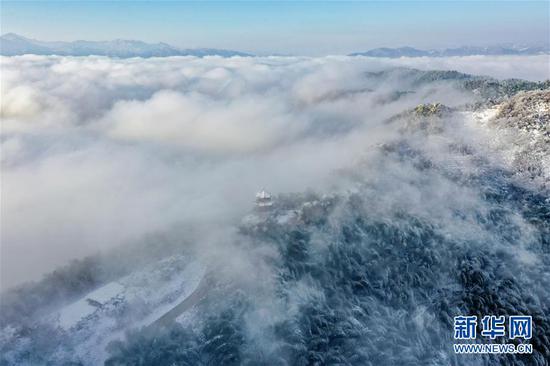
[{"x": 290, "y": 27}]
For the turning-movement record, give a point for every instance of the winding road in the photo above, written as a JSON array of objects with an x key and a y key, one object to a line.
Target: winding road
[{"x": 193, "y": 299}]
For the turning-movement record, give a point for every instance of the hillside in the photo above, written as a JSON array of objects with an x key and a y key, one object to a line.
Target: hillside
[{"x": 449, "y": 215}]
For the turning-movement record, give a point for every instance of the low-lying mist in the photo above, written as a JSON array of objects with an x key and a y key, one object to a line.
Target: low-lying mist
[
  {"x": 400, "y": 202},
  {"x": 97, "y": 152}
]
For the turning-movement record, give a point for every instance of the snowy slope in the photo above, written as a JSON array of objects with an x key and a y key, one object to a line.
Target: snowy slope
[
  {"x": 87, "y": 325},
  {"x": 78, "y": 311}
]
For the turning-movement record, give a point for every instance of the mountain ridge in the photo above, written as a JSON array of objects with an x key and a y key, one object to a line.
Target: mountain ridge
[
  {"x": 458, "y": 51},
  {"x": 12, "y": 44}
]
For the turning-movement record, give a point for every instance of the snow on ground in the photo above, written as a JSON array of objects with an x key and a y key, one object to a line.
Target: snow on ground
[
  {"x": 133, "y": 301},
  {"x": 188, "y": 317},
  {"x": 521, "y": 150},
  {"x": 286, "y": 217},
  {"x": 81, "y": 309},
  {"x": 191, "y": 276},
  {"x": 483, "y": 116}
]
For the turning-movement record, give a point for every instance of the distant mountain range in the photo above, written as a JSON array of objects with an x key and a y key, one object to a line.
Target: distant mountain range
[
  {"x": 13, "y": 44},
  {"x": 460, "y": 51}
]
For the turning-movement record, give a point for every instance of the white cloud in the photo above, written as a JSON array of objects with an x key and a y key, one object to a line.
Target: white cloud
[
  {"x": 98, "y": 151},
  {"x": 197, "y": 121},
  {"x": 534, "y": 68}
]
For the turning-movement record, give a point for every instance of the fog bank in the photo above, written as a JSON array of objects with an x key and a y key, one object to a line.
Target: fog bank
[{"x": 97, "y": 152}]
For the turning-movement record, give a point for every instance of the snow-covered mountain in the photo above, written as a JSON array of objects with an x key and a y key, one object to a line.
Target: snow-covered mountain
[
  {"x": 459, "y": 51},
  {"x": 13, "y": 44},
  {"x": 393, "y": 52},
  {"x": 446, "y": 215}
]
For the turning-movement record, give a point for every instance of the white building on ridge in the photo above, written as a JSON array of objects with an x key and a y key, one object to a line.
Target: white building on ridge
[{"x": 264, "y": 199}]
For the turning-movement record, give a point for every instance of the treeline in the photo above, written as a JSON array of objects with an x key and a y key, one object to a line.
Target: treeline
[
  {"x": 23, "y": 304},
  {"x": 218, "y": 342}
]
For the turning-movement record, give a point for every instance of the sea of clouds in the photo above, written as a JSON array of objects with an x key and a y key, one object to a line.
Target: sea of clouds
[{"x": 97, "y": 151}]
